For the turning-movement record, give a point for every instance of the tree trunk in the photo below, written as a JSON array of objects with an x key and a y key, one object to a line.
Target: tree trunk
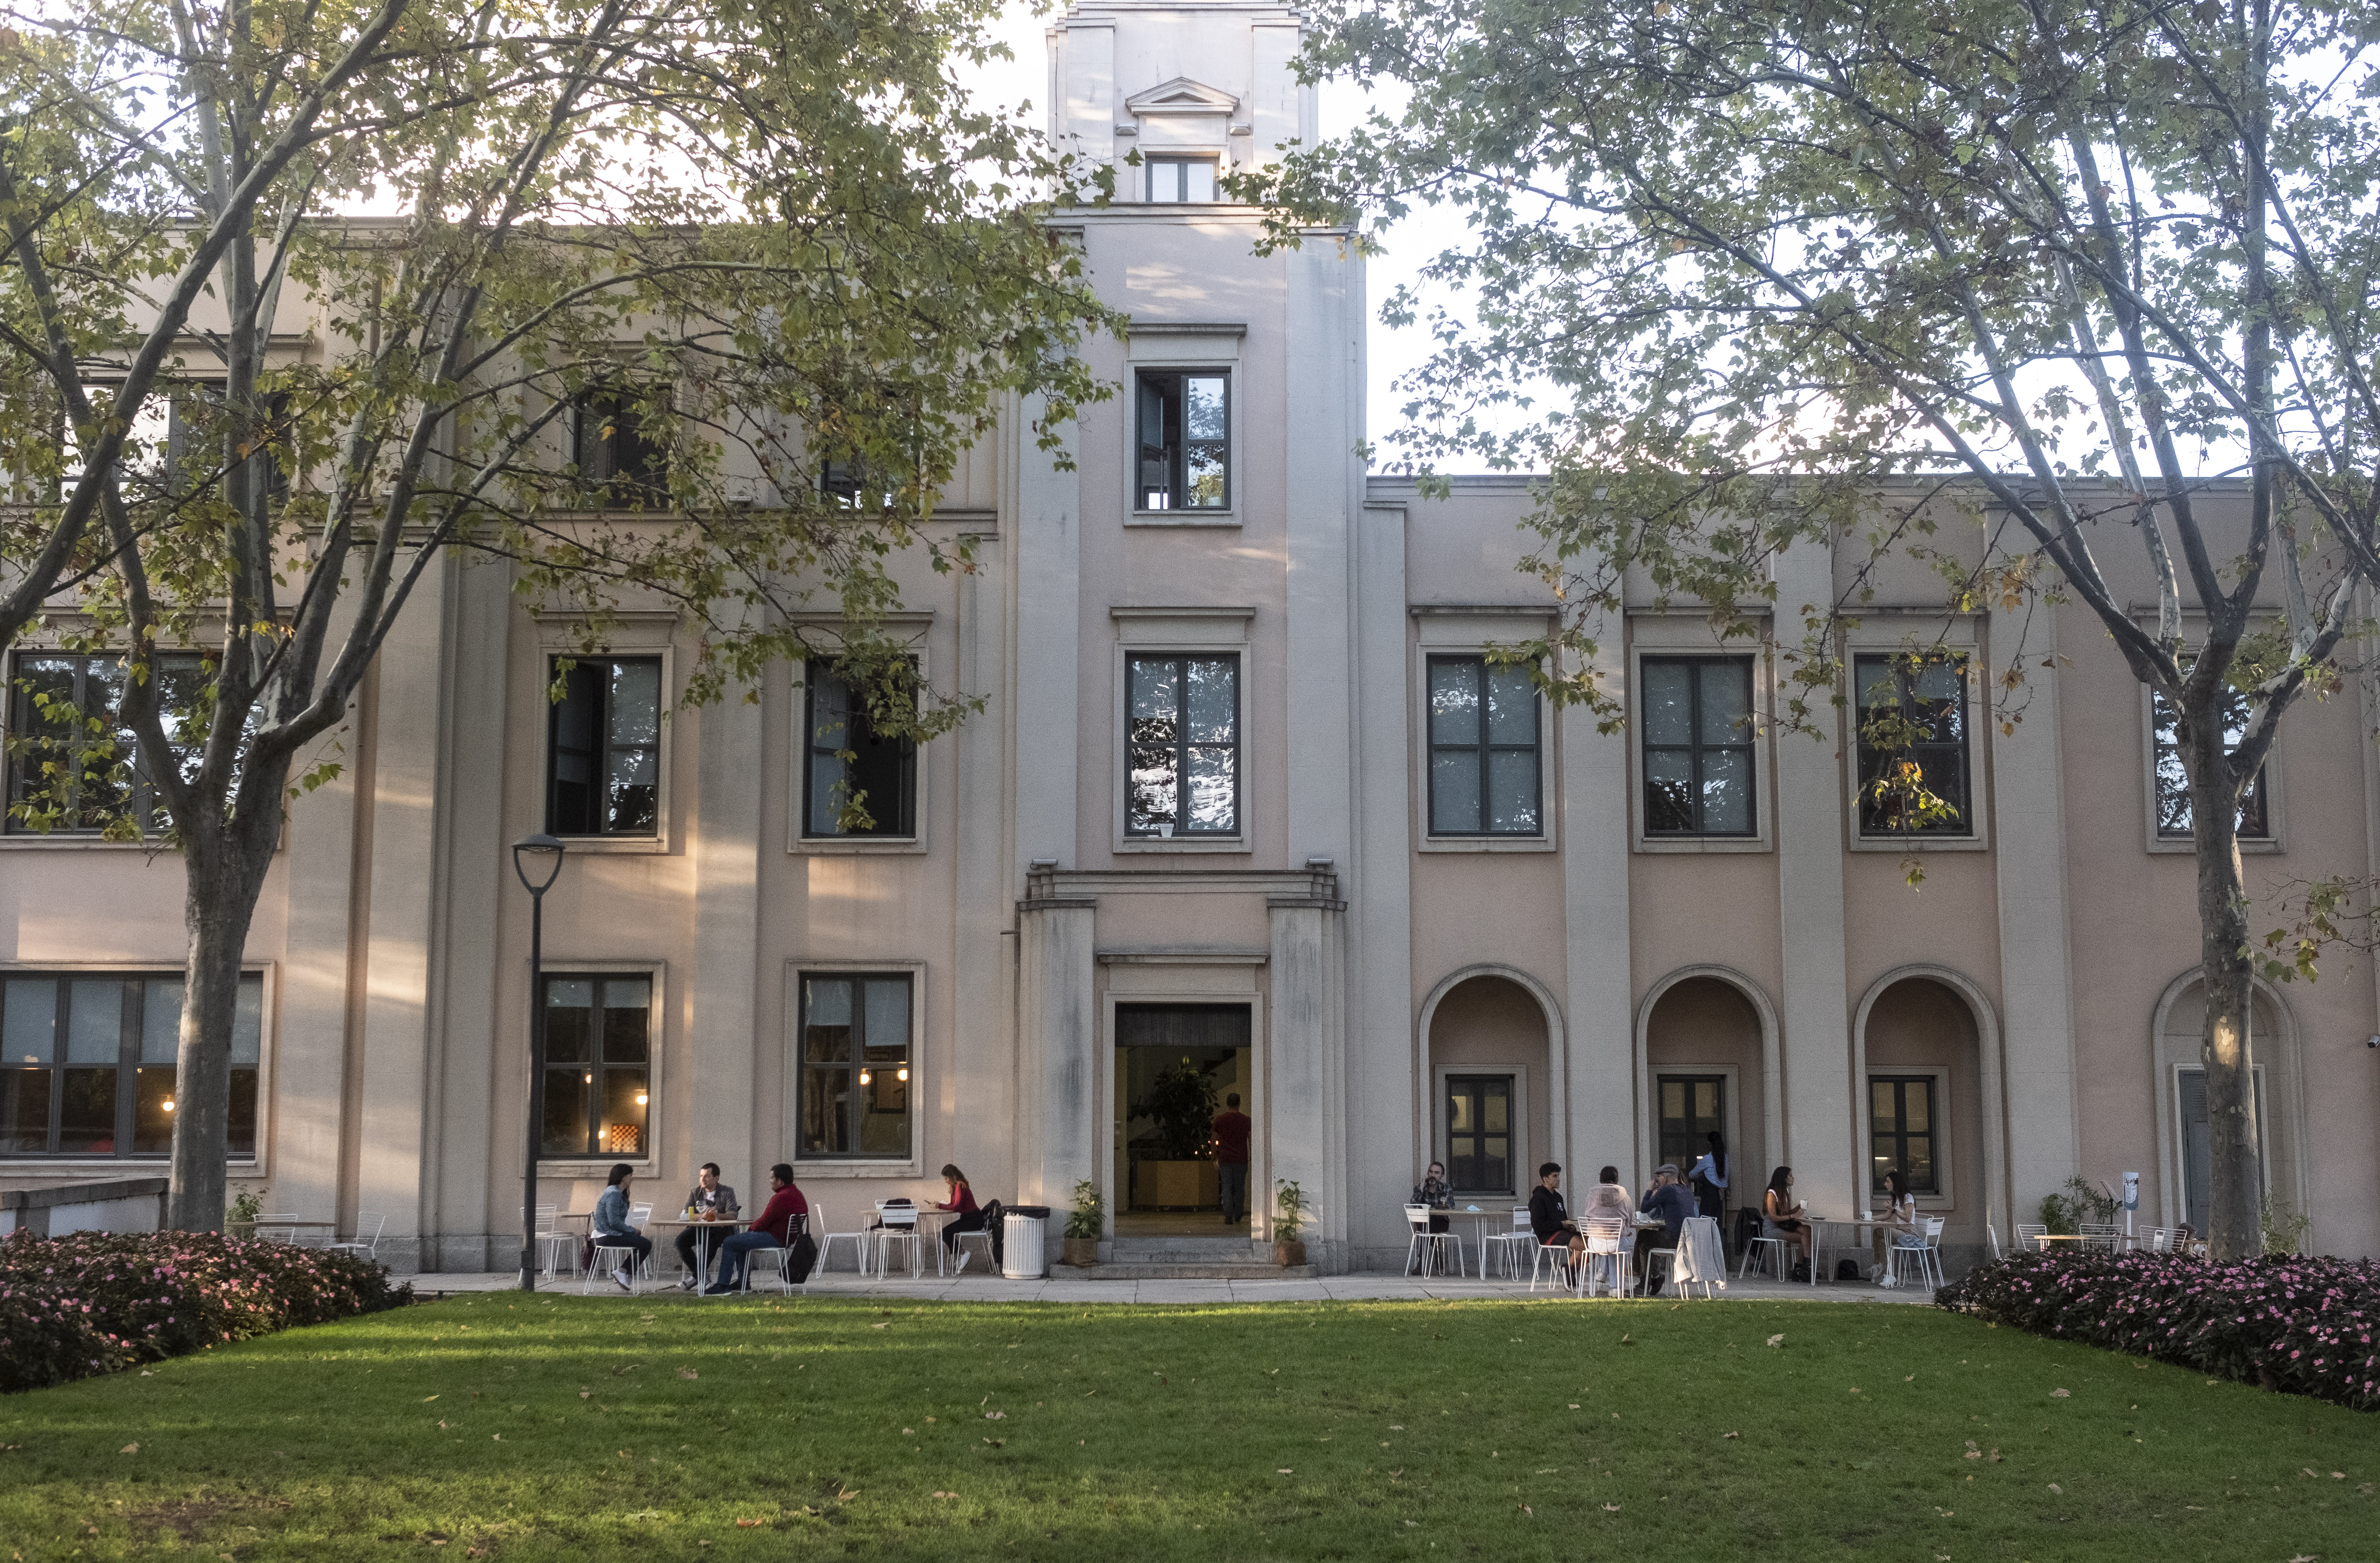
[
  {"x": 225, "y": 874},
  {"x": 2235, "y": 1165}
]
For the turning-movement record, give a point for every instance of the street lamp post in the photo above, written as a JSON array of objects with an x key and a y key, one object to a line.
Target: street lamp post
[{"x": 538, "y": 860}]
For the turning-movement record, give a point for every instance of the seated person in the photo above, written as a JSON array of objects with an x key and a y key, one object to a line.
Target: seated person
[
  {"x": 782, "y": 1222},
  {"x": 1549, "y": 1220},
  {"x": 970, "y": 1216},
  {"x": 1671, "y": 1200},
  {"x": 1610, "y": 1201},
  {"x": 1434, "y": 1192},
  {"x": 1781, "y": 1214},
  {"x": 610, "y": 1226},
  {"x": 710, "y": 1201},
  {"x": 1900, "y": 1227}
]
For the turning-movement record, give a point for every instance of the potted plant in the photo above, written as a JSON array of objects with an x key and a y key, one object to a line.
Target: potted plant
[
  {"x": 1178, "y": 1170},
  {"x": 1287, "y": 1220},
  {"x": 1083, "y": 1224}
]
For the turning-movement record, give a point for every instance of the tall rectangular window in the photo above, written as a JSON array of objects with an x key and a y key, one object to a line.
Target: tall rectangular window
[
  {"x": 2173, "y": 808},
  {"x": 1182, "y": 762},
  {"x": 621, "y": 464},
  {"x": 854, "y": 1065},
  {"x": 1698, "y": 746},
  {"x": 603, "y": 768},
  {"x": 1693, "y": 1107},
  {"x": 88, "y": 1063},
  {"x": 74, "y": 765},
  {"x": 1479, "y": 1132},
  {"x": 1902, "y": 1126},
  {"x": 1483, "y": 749},
  {"x": 850, "y": 768},
  {"x": 1174, "y": 180},
  {"x": 1912, "y": 712},
  {"x": 598, "y": 1065},
  {"x": 1184, "y": 423}
]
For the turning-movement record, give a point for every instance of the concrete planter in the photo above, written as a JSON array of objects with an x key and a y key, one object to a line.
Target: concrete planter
[
  {"x": 1289, "y": 1255},
  {"x": 1081, "y": 1252}
]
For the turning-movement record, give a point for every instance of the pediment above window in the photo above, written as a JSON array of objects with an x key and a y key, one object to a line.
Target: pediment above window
[{"x": 1182, "y": 95}]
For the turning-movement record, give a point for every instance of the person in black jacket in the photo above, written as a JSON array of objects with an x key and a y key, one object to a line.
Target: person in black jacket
[{"x": 1550, "y": 1219}]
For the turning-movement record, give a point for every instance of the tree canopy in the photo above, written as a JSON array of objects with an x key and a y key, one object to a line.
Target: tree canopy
[
  {"x": 1730, "y": 266},
  {"x": 689, "y": 298}
]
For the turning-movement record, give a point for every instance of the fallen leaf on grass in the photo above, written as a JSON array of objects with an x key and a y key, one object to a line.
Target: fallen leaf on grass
[
  {"x": 587, "y": 1394},
  {"x": 1612, "y": 1509},
  {"x": 2061, "y": 1394},
  {"x": 2058, "y": 1490},
  {"x": 1624, "y": 1341},
  {"x": 995, "y": 1416},
  {"x": 747, "y": 1524},
  {"x": 130, "y": 1448},
  {"x": 690, "y": 1373},
  {"x": 1776, "y": 1340},
  {"x": 442, "y": 1422},
  {"x": 1731, "y": 1435},
  {"x": 427, "y": 1399},
  {"x": 1286, "y": 1471},
  {"x": 879, "y": 1325}
]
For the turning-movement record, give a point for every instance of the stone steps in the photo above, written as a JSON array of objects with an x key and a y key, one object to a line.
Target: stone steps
[{"x": 1193, "y": 1270}]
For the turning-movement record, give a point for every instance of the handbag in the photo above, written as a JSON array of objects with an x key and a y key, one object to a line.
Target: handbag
[{"x": 801, "y": 1259}]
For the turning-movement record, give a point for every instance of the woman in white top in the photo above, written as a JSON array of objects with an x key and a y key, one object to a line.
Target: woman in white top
[
  {"x": 1609, "y": 1200},
  {"x": 1898, "y": 1218}
]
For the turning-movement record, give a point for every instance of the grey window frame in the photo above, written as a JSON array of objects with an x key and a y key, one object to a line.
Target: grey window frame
[
  {"x": 905, "y": 825},
  {"x": 852, "y": 1066},
  {"x": 608, "y": 478},
  {"x": 1182, "y": 746},
  {"x": 1174, "y": 444},
  {"x": 1902, "y": 1135},
  {"x": 133, "y": 999},
  {"x": 1511, "y": 1136},
  {"x": 141, "y": 792},
  {"x": 1697, "y": 747},
  {"x": 1872, "y": 759},
  {"x": 1486, "y": 749},
  {"x": 2255, "y": 803},
  {"x": 1179, "y": 165},
  {"x": 597, "y": 1067},
  {"x": 605, "y": 746}
]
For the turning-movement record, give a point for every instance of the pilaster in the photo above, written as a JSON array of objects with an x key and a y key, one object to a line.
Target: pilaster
[
  {"x": 1058, "y": 1042},
  {"x": 1597, "y": 1074},
  {"x": 721, "y": 1052},
  {"x": 1306, "y": 1122}
]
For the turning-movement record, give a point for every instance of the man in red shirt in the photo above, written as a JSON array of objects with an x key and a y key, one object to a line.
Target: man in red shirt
[
  {"x": 787, "y": 1214},
  {"x": 1231, "y": 1158}
]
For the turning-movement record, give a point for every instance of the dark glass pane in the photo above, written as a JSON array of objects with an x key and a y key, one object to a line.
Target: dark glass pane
[
  {"x": 25, "y": 1111},
  {"x": 1213, "y": 790},
  {"x": 1884, "y": 1111},
  {"x": 827, "y": 1020},
  {"x": 161, "y": 1021},
  {"x": 239, "y": 1134},
  {"x": 569, "y": 1019},
  {"x": 153, "y": 1111},
  {"x": 632, "y": 776},
  {"x": 87, "y": 1124},
  {"x": 1454, "y": 791},
  {"x": 1212, "y": 701},
  {"x": 1668, "y": 790},
  {"x": 1727, "y": 792},
  {"x": 1453, "y": 700},
  {"x": 826, "y": 1107},
  {"x": 28, "y": 1021},
  {"x": 577, "y": 753},
  {"x": 95, "y": 1021},
  {"x": 1512, "y": 707},
  {"x": 1726, "y": 701},
  {"x": 247, "y": 1023},
  {"x": 566, "y": 1130},
  {"x": 622, "y": 1131},
  {"x": 1513, "y": 792},
  {"x": 627, "y": 1018},
  {"x": 1917, "y": 1105},
  {"x": 884, "y": 1103}
]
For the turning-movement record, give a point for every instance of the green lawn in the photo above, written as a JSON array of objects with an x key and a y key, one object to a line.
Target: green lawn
[{"x": 572, "y": 1429}]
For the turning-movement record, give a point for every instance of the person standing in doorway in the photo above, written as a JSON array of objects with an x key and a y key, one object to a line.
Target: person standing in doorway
[
  {"x": 1231, "y": 1129},
  {"x": 1710, "y": 1179}
]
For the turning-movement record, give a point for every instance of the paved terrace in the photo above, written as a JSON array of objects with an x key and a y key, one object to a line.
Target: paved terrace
[{"x": 1362, "y": 1287}]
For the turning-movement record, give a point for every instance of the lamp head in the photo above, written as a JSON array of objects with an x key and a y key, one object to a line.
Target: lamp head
[{"x": 538, "y": 860}]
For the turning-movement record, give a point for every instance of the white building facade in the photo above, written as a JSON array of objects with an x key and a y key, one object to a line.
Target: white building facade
[{"x": 1246, "y": 812}]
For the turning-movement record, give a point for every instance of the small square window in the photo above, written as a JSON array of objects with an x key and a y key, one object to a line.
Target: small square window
[
  {"x": 1184, "y": 441},
  {"x": 623, "y": 463},
  {"x": 1913, "y": 712},
  {"x": 1177, "y": 180},
  {"x": 1695, "y": 717},
  {"x": 602, "y": 775}
]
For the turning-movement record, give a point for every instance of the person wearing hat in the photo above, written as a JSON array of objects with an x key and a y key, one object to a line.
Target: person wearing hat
[{"x": 1668, "y": 1199}]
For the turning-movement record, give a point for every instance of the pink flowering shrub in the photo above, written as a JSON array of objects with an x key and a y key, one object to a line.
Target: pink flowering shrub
[
  {"x": 95, "y": 1302},
  {"x": 2305, "y": 1326}
]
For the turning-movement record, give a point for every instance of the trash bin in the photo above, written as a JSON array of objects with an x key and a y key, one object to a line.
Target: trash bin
[{"x": 1021, "y": 1237}]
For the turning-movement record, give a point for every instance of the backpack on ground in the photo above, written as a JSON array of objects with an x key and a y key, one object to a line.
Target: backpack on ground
[
  {"x": 1802, "y": 1270},
  {"x": 1847, "y": 1269}
]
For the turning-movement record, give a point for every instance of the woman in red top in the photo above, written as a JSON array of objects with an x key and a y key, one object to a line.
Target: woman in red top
[{"x": 970, "y": 1216}]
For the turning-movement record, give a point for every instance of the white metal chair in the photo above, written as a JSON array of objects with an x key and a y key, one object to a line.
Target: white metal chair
[
  {"x": 1769, "y": 1250},
  {"x": 364, "y": 1245},
  {"x": 982, "y": 1239},
  {"x": 1428, "y": 1248},
  {"x": 1699, "y": 1258},
  {"x": 2104, "y": 1235},
  {"x": 1606, "y": 1255},
  {"x": 857, "y": 1238},
  {"x": 780, "y": 1259},
  {"x": 1554, "y": 1255},
  {"x": 2031, "y": 1234},
  {"x": 638, "y": 1269},
  {"x": 2157, "y": 1240},
  {"x": 553, "y": 1245},
  {"x": 1925, "y": 1258},
  {"x": 1508, "y": 1247},
  {"x": 897, "y": 1225},
  {"x": 278, "y": 1228}
]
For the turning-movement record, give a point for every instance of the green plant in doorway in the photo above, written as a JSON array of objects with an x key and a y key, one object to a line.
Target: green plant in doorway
[
  {"x": 244, "y": 1208},
  {"x": 2077, "y": 1202},
  {"x": 2285, "y": 1228},
  {"x": 1087, "y": 1219},
  {"x": 1181, "y": 1102}
]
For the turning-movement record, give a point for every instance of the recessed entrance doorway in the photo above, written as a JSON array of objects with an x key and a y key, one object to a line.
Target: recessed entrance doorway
[{"x": 1176, "y": 1068}]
